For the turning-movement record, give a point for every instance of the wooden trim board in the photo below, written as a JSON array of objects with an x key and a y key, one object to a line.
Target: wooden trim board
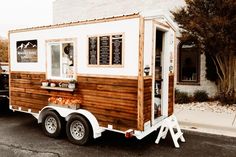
[
  {"x": 108, "y": 76},
  {"x": 140, "y": 76},
  {"x": 9, "y": 62}
]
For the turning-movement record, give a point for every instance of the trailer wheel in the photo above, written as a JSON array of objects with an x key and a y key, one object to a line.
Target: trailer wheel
[
  {"x": 52, "y": 124},
  {"x": 78, "y": 130}
]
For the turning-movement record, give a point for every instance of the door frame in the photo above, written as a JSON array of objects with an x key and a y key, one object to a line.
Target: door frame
[{"x": 165, "y": 66}]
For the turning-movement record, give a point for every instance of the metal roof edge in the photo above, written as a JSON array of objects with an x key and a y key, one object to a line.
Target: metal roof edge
[{"x": 105, "y": 19}]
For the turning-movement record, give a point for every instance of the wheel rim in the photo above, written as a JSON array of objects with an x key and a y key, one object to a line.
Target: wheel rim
[
  {"x": 77, "y": 130},
  {"x": 50, "y": 124}
]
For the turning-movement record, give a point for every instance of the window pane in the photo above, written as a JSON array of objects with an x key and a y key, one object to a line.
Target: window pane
[
  {"x": 68, "y": 60},
  {"x": 55, "y": 66},
  {"x": 93, "y": 50},
  {"x": 104, "y": 50},
  {"x": 188, "y": 63},
  {"x": 117, "y": 49}
]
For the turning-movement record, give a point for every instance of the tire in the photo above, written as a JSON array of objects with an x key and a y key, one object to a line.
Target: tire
[
  {"x": 78, "y": 130},
  {"x": 52, "y": 124}
]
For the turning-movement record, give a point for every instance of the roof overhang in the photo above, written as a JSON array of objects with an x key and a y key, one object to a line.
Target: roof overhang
[{"x": 161, "y": 16}]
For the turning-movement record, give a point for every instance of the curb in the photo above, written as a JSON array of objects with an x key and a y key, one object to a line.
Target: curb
[{"x": 210, "y": 129}]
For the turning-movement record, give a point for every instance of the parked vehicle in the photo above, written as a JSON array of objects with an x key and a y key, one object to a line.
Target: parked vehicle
[{"x": 4, "y": 88}]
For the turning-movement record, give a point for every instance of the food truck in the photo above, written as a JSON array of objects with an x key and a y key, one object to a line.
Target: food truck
[{"x": 89, "y": 76}]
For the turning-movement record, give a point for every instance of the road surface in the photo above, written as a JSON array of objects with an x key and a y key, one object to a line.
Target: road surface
[{"x": 20, "y": 135}]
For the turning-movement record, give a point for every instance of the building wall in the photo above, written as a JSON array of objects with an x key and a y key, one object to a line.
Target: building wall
[
  {"x": 206, "y": 85},
  {"x": 75, "y": 10}
]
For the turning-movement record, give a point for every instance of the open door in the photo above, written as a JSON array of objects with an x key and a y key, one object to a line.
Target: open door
[{"x": 159, "y": 50}]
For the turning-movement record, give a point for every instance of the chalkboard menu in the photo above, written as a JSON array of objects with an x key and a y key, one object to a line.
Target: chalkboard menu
[
  {"x": 93, "y": 50},
  {"x": 117, "y": 49},
  {"x": 104, "y": 47}
]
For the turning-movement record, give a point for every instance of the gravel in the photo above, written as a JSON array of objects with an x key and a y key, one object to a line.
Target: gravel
[{"x": 214, "y": 106}]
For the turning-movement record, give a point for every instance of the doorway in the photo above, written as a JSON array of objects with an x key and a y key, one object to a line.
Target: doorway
[{"x": 157, "y": 73}]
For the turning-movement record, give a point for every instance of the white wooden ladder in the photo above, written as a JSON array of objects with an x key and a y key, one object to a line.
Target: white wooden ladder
[{"x": 169, "y": 124}]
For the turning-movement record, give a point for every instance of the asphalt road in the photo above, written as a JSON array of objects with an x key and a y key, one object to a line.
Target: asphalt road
[{"x": 21, "y": 136}]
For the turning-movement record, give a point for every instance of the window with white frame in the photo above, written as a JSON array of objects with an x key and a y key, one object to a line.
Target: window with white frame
[{"x": 61, "y": 58}]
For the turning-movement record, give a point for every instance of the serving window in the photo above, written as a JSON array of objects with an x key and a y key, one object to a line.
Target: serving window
[
  {"x": 61, "y": 59},
  {"x": 106, "y": 50}
]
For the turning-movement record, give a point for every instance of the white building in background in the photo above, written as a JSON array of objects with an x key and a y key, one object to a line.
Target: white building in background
[
  {"x": 190, "y": 66},
  {"x": 74, "y": 10}
]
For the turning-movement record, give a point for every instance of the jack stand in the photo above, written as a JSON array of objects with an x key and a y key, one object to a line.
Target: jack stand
[{"x": 169, "y": 124}]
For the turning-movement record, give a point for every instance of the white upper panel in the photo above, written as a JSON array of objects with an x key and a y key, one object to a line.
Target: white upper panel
[
  {"x": 148, "y": 45},
  {"x": 129, "y": 27}
]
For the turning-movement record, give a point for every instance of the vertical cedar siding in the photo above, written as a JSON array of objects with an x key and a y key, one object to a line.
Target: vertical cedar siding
[
  {"x": 111, "y": 100},
  {"x": 171, "y": 95},
  {"x": 147, "y": 99}
]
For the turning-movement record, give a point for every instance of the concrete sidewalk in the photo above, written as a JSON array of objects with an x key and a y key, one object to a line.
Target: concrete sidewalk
[{"x": 207, "y": 121}]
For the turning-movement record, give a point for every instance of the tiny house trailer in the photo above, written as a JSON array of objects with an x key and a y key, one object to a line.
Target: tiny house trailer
[{"x": 90, "y": 76}]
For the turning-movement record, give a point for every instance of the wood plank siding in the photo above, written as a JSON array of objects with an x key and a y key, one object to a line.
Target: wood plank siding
[
  {"x": 171, "y": 95},
  {"x": 25, "y": 91},
  {"x": 147, "y": 99},
  {"x": 112, "y": 100}
]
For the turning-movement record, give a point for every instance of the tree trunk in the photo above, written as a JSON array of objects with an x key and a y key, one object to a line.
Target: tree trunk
[{"x": 226, "y": 70}]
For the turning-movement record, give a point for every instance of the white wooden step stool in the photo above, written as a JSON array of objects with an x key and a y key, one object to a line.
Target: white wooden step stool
[{"x": 169, "y": 124}]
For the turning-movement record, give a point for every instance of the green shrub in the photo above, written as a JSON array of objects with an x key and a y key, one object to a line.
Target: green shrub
[
  {"x": 181, "y": 97},
  {"x": 200, "y": 96}
]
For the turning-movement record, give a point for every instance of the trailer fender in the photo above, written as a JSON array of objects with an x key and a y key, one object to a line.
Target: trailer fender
[{"x": 67, "y": 113}]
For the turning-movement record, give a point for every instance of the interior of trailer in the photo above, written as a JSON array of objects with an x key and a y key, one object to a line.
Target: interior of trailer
[{"x": 159, "y": 50}]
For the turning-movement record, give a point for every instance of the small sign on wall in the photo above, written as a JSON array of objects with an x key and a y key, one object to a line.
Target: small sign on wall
[{"x": 27, "y": 51}]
